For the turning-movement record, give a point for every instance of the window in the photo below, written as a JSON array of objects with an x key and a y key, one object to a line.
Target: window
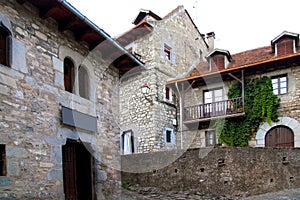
[
  {"x": 168, "y": 94},
  {"x": 280, "y": 84},
  {"x": 84, "y": 82},
  {"x": 210, "y": 99},
  {"x": 127, "y": 142},
  {"x": 69, "y": 75},
  {"x": 210, "y": 138},
  {"x": 169, "y": 136},
  {"x": 2, "y": 160},
  {"x": 214, "y": 95},
  {"x": 167, "y": 52},
  {"x": 5, "y": 45}
]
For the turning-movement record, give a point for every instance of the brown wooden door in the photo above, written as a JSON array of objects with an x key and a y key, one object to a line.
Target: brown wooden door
[
  {"x": 69, "y": 171},
  {"x": 77, "y": 172},
  {"x": 279, "y": 136}
]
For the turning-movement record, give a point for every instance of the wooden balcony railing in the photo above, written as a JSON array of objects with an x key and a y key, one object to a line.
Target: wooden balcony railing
[{"x": 220, "y": 108}]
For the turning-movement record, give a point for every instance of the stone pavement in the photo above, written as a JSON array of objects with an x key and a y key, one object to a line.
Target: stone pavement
[
  {"x": 292, "y": 194},
  {"x": 155, "y": 193}
]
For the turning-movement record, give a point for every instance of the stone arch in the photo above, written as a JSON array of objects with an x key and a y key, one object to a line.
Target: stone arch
[
  {"x": 4, "y": 22},
  {"x": 84, "y": 82},
  {"x": 291, "y": 123},
  {"x": 79, "y": 60}
]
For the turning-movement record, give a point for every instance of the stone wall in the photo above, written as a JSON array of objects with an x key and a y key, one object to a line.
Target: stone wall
[
  {"x": 149, "y": 117},
  {"x": 216, "y": 171},
  {"x": 195, "y": 136},
  {"x": 32, "y": 93}
]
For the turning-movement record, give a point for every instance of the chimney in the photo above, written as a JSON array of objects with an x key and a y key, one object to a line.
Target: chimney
[{"x": 210, "y": 37}]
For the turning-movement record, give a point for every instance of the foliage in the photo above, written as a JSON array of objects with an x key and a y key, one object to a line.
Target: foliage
[
  {"x": 260, "y": 105},
  {"x": 126, "y": 186}
]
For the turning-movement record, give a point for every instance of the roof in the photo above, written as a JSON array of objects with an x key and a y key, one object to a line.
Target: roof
[
  {"x": 135, "y": 33},
  {"x": 142, "y": 14},
  {"x": 285, "y": 34},
  {"x": 220, "y": 51},
  {"x": 243, "y": 60},
  {"x": 84, "y": 30}
]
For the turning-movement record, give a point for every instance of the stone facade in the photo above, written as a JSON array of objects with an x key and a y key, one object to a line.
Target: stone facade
[
  {"x": 150, "y": 116},
  {"x": 32, "y": 96},
  {"x": 269, "y": 64}
]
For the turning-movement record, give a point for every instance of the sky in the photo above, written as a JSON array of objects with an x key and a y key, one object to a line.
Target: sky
[{"x": 239, "y": 25}]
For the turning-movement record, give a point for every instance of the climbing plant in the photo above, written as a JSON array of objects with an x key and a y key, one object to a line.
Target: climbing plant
[{"x": 261, "y": 105}]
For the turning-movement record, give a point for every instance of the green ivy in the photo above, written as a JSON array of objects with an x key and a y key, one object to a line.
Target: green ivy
[{"x": 260, "y": 105}]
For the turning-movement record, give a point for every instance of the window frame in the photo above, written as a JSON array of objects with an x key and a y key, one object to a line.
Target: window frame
[
  {"x": 167, "y": 52},
  {"x": 168, "y": 94},
  {"x": 7, "y": 43},
  {"x": 86, "y": 79},
  {"x": 132, "y": 142},
  {"x": 278, "y": 83},
  {"x": 71, "y": 75},
  {"x": 3, "y": 171},
  {"x": 172, "y": 136}
]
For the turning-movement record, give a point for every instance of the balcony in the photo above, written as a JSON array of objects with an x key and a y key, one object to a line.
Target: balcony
[{"x": 211, "y": 111}]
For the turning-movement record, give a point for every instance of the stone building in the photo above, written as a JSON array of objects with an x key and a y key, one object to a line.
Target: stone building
[
  {"x": 204, "y": 92},
  {"x": 170, "y": 47},
  {"x": 59, "y": 75}
]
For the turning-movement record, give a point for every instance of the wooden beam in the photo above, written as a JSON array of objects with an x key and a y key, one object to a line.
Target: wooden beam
[
  {"x": 21, "y": 1},
  {"x": 47, "y": 12}
]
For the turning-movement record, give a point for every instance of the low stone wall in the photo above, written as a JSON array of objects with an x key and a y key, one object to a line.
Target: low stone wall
[{"x": 217, "y": 171}]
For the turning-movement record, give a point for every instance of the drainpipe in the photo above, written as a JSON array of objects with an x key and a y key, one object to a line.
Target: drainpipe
[
  {"x": 180, "y": 115},
  {"x": 99, "y": 30}
]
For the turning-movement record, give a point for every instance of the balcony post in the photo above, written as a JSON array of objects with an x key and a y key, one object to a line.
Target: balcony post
[{"x": 243, "y": 90}]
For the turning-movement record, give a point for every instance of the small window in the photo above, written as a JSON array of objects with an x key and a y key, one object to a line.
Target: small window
[
  {"x": 84, "y": 82},
  {"x": 280, "y": 84},
  {"x": 127, "y": 142},
  {"x": 169, "y": 136},
  {"x": 210, "y": 138},
  {"x": 5, "y": 45},
  {"x": 69, "y": 75},
  {"x": 2, "y": 160},
  {"x": 168, "y": 94},
  {"x": 167, "y": 52}
]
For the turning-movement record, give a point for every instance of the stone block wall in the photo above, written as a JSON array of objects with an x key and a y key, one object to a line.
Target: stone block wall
[
  {"x": 216, "y": 171},
  {"x": 32, "y": 93},
  {"x": 149, "y": 118}
]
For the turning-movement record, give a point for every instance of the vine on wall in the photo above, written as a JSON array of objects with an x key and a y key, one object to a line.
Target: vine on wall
[{"x": 261, "y": 105}]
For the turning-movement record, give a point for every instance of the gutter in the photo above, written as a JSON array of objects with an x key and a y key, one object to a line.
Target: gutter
[{"x": 99, "y": 30}]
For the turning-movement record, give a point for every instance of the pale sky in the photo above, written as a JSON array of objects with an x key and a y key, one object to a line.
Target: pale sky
[{"x": 239, "y": 25}]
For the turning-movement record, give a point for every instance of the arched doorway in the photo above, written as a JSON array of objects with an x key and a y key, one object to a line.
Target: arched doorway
[{"x": 279, "y": 136}]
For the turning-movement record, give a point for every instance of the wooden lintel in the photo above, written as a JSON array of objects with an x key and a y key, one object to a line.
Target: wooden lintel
[
  {"x": 236, "y": 78},
  {"x": 191, "y": 85}
]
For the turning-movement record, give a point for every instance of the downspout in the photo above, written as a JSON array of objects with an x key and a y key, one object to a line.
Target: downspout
[
  {"x": 99, "y": 30},
  {"x": 180, "y": 116}
]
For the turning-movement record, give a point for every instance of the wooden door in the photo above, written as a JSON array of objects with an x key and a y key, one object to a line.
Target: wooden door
[
  {"x": 279, "y": 136},
  {"x": 69, "y": 171},
  {"x": 77, "y": 171}
]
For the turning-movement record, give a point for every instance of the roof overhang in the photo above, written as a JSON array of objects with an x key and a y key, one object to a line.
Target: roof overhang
[
  {"x": 84, "y": 30},
  {"x": 276, "y": 63}
]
